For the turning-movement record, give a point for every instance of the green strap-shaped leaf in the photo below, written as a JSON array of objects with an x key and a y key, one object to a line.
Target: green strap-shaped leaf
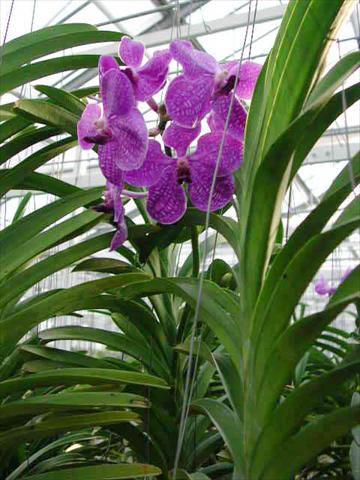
[
  {"x": 335, "y": 77},
  {"x": 291, "y": 286},
  {"x": 311, "y": 226},
  {"x": 40, "y": 48},
  {"x": 290, "y": 413},
  {"x": 74, "y": 359},
  {"x": 114, "y": 341},
  {"x": 48, "y": 114},
  {"x": 66, "y": 301},
  {"x": 288, "y": 351},
  {"x": 54, "y": 424},
  {"x": 62, "y": 98},
  {"x": 44, "y": 183},
  {"x": 25, "y": 140},
  {"x": 12, "y": 126},
  {"x": 37, "y": 70},
  {"x": 55, "y": 235},
  {"x": 18, "y": 411},
  {"x": 99, "y": 472},
  {"x": 312, "y": 439},
  {"x": 75, "y": 376},
  {"x": 15, "y": 175},
  {"x": 43, "y": 35},
  {"x": 19, "y": 283},
  {"x": 226, "y": 422},
  {"x": 218, "y": 308},
  {"x": 17, "y": 234}
]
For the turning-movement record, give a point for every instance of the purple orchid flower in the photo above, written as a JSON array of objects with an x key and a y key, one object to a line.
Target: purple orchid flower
[
  {"x": 166, "y": 176},
  {"x": 120, "y": 130},
  {"x": 188, "y": 98},
  {"x": 322, "y": 286},
  {"x": 113, "y": 204},
  {"x": 149, "y": 79}
]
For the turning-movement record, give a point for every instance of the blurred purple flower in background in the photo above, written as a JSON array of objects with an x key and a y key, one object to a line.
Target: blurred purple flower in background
[{"x": 322, "y": 286}]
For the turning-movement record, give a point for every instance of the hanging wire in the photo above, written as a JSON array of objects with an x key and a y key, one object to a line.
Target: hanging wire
[{"x": 188, "y": 384}]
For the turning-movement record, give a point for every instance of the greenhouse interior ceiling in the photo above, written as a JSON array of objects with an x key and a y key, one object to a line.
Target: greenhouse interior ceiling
[{"x": 244, "y": 207}]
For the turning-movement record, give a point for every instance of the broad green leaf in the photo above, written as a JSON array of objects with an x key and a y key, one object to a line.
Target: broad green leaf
[
  {"x": 54, "y": 424},
  {"x": 312, "y": 439},
  {"x": 15, "y": 175},
  {"x": 75, "y": 376},
  {"x": 99, "y": 472}
]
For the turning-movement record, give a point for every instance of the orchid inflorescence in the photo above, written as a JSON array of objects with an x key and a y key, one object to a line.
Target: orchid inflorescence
[
  {"x": 126, "y": 154},
  {"x": 323, "y": 287}
]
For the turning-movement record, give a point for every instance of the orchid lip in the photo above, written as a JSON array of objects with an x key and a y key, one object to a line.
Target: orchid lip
[{"x": 183, "y": 173}]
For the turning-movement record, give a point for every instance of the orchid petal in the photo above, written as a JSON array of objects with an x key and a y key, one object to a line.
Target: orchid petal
[
  {"x": 152, "y": 168},
  {"x": 130, "y": 134},
  {"x": 120, "y": 237},
  {"x": 152, "y": 76},
  {"x": 117, "y": 93},
  {"x": 188, "y": 101},
  {"x": 108, "y": 153},
  {"x": 194, "y": 62},
  {"x": 180, "y": 138},
  {"x": 106, "y": 63},
  {"x": 167, "y": 200},
  {"x": 200, "y": 187},
  {"x": 237, "y": 120},
  {"x": 86, "y": 125},
  {"x": 248, "y": 75},
  {"x": 208, "y": 150},
  {"x": 131, "y": 52}
]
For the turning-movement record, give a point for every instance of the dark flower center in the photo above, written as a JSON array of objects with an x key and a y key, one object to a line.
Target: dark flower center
[
  {"x": 183, "y": 171},
  {"x": 103, "y": 134}
]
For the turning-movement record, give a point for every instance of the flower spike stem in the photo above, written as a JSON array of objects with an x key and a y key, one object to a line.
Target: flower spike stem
[
  {"x": 131, "y": 194},
  {"x": 153, "y": 104}
]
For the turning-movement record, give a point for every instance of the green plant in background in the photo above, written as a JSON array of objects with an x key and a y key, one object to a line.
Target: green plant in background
[{"x": 267, "y": 400}]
